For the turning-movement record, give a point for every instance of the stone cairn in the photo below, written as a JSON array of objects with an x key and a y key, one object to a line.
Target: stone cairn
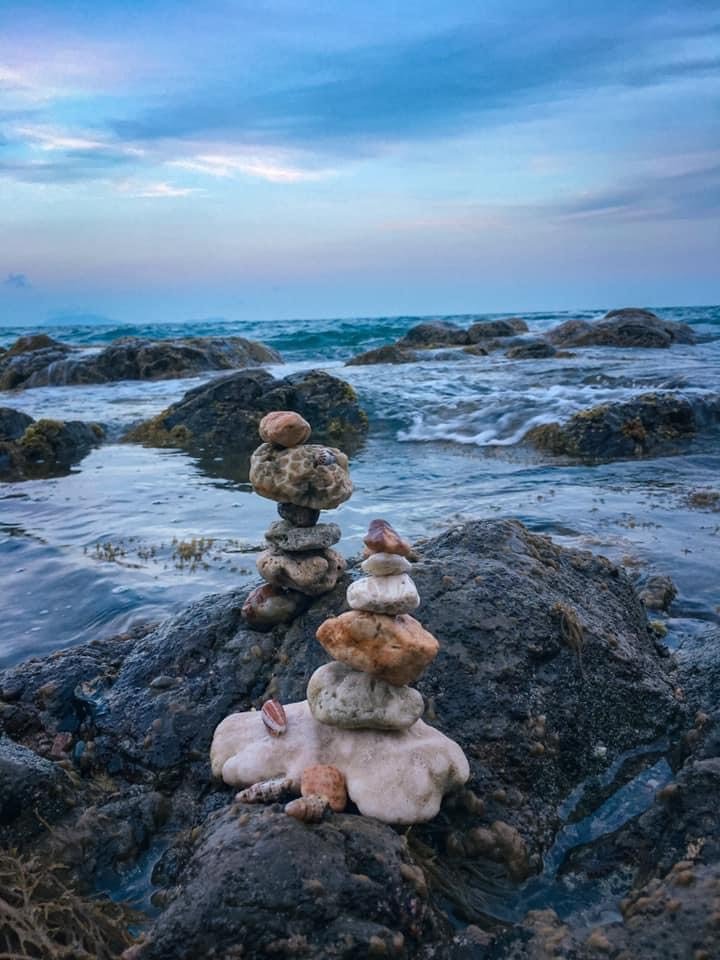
[{"x": 359, "y": 733}]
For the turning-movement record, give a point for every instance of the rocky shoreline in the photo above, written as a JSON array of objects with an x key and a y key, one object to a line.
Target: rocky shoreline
[{"x": 547, "y": 675}]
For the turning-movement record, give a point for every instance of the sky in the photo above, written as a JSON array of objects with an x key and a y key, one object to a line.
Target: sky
[{"x": 163, "y": 160}]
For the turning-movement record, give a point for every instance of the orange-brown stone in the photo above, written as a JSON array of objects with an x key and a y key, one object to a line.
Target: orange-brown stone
[
  {"x": 323, "y": 780},
  {"x": 381, "y": 538},
  {"x": 284, "y": 428},
  {"x": 394, "y": 649}
]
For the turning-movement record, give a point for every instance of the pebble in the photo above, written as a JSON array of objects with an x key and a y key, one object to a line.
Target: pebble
[
  {"x": 311, "y": 574},
  {"x": 293, "y": 539},
  {"x": 298, "y": 516},
  {"x": 395, "y": 649},
  {"x": 326, "y": 781},
  {"x": 307, "y": 476},
  {"x": 391, "y": 595},
  {"x": 284, "y": 428},
  {"x": 268, "y": 605},
  {"x": 385, "y": 564},
  {"x": 352, "y": 700},
  {"x": 382, "y": 538}
]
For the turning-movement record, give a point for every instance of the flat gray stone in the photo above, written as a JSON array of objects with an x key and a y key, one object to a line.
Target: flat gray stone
[
  {"x": 342, "y": 697},
  {"x": 293, "y": 539}
]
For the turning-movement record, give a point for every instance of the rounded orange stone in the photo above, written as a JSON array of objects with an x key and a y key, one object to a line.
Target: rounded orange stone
[
  {"x": 284, "y": 428},
  {"x": 381, "y": 538},
  {"x": 324, "y": 780}
]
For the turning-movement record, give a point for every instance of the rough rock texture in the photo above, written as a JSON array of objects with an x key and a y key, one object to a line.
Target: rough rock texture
[
  {"x": 288, "y": 537},
  {"x": 42, "y": 448},
  {"x": 388, "y": 594},
  {"x": 27, "y": 357},
  {"x": 531, "y": 350},
  {"x": 345, "y": 889},
  {"x": 536, "y": 717},
  {"x": 649, "y": 424},
  {"x": 629, "y": 327},
  {"x": 134, "y": 358},
  {"x": 394, "y": 649},
  {"x": 221, "y": 418},
  {"x": 395, "y": 776},
  {"x": 391, "y": 353},
  {"x": 32, "y": 789},
  {"x": 310, "y": 573},
  {"x": 658, "y": 593},
  {"x": 309, "y": 476},
  {"x": 347, "y": 698}
]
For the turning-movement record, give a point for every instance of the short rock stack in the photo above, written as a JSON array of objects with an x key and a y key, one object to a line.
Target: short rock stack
[
  {"x": 378, "y": 647},
  {"x": 304, "y": 478},
  {"x": 359, "y": 735}
]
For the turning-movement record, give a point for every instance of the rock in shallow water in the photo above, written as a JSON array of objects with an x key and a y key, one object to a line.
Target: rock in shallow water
[
  {"x": 310, "y": 573},
  {"x": 308, "y": 476},
  {"x": 293, "y": 539},
  {"x": 395, "y": 649},
  {"x": 397, "y": 777},
  {"x": 388, "y": 594},
  {"x": 353, "y": 700}
]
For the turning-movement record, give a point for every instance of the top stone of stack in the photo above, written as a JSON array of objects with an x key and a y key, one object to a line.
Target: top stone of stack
[{"x": 297, "y": 474}]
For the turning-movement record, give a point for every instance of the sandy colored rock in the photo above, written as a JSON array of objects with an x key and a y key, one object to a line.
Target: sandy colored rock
[
  {"x": 324, "y": 780},
  {"x": 293, "y": 539},
  {"x": 310, "y": 573},
  {"x": 284, "y": 428},
  {"x": 268, "y": 605},
  {"x": 382, "y": 538},
  {"x": 395, "y": 649},
  {"x": 385, "y": 565},
  {"x": 308, "y": 476},
  {"x": 397, "y": 777},
  {"x": 353, "y": 700},
  {"x": 389, "y": 594}
]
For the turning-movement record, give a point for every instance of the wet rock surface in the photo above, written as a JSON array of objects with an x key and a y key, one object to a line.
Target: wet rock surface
[
  {"x": 649, "y": 424},
  {"x": 42, "y": 448},
  {"x": 41, "y": 361},
  {"x": 546, "y": 675},
  {"x": 388, "y": 354},
  {"x": 627, "y": 327},
  {"x": 221, "y": 419}
]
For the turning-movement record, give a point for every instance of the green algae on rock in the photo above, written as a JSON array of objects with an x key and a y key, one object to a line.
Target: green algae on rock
[{"x": 42, "y": 448}]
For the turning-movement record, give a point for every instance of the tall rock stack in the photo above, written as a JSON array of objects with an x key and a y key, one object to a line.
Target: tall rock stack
[
  {"x": 359, "y": 734},
  {"x": 378, "y": 647},
  {"x": 304, "y": 478}
]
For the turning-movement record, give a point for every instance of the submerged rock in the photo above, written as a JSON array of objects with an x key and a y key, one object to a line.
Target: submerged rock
[
  {"x": 132, "y": 358},
  {"x": 490, "y": 329},
  {"x": 531, "y": 350},
  {"x": 221, "y": 418},
  {"x": 629, "y": 327},
  {"x": 42, "y": 448},
  {"x": 649, "y": 424},
  {"x": 391, "y": 353}
]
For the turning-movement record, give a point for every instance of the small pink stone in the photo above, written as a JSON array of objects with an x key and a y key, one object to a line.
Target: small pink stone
[{"x": 284, "y": 428}]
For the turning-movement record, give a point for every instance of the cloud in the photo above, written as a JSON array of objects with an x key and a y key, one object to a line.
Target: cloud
[
  {"x": 156, "y": 190},
  {"x": 227, "y": 165},
  {"x": 18, "y": 281}
]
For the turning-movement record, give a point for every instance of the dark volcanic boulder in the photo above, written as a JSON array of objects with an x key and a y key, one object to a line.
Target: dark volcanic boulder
[
  {"x": 489, "y": 329},
  {"x": 222, "y": 417},
  {"x": 434, "y": 333},
  {"x": 531, "y": 350},
  {"x": 29, "y": 356},
  {"x": 391, "y": 353},
  {"x": 41, "y": 448},
  {"x": 628, "y": 327},
  {"x": 346, "y": 888},
  {"x": 650, "y": 424},
  {"x": 133, "y": 358},
  {"x": 546, "y": 675},
  {"x": 32, "y": 789}
]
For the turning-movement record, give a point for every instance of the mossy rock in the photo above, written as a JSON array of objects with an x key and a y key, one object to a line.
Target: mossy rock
[{"x": 42, "y": 448}]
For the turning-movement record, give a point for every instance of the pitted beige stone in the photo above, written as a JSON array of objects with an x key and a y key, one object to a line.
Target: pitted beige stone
[
  {"x": 308, "y": 476},
  {"x": 310, "y": 573}
]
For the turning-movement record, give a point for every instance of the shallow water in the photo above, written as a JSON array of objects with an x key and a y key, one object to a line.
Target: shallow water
[{"x": 135, "y": 533}]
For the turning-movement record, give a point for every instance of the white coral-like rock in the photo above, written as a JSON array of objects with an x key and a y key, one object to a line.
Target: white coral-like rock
[
  {"x": 395, "y": 776},
  {"x": 391, "y": 595}
]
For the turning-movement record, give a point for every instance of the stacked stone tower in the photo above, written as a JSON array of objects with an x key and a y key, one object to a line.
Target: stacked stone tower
[{"x": 359, "y": 735}]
